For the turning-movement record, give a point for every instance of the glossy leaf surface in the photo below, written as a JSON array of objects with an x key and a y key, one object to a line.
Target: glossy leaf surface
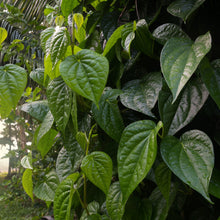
[
  {"x": 26, "y": 162},
  {"x": 177, "y": 115},
  {"x": 45, "y": 36},
  {"x": 141, "y": 94},
  {"x": 59, "y": 101},
  {"x": 136, "y": 154},
  {"x": 180, "y": 58},
  {"x": 108, "y": 115},
  {"x": 86, "y": 73},
  {"x": 46, "y": 190},
  {"x": 191, "y": 159},
  {"x": 13, "y": 80},
  {"x": 27, "y": 182},
  {"x": 97, "y": 167}
]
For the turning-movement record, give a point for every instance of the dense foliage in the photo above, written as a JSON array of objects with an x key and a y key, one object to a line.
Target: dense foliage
[{"x": 125, "y": 111}]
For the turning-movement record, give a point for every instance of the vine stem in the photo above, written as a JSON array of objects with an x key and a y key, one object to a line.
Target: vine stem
[
  {"x": 136, "y": 7},
  {"x": 82, "y": 203}
]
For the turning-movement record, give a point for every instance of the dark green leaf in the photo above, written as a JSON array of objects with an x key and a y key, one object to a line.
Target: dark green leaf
[
  {"x": 180, "y": 58},
  {"x": 214, "y": 185},
  {"x": 13, "y": 80},
  {"x": 60, "y": 102},
  {"x": 46, "y": 189},
  {"x": 67, "y": 6},
  {"x": 86, "y": 73},
  {"x": 142, "y": 94},
  {"x": 191, "y": 159},
  {"x": 108, "y": 115},
  {"x": 211, "y": 77},
  {"x": 184, "y": 8},
  {"x": 114, "y": 202},
  {"x": 98, "y": 169},
  {"x": 136, "y": 154},
  {"x": 93, "y": 208},
  {"x": 177, "y": 115},
  {"x": 166, "y": 31},
  {"x": 38, "y": 76}
]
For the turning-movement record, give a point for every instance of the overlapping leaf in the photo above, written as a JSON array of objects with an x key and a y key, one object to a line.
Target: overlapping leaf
[
  {"x": 177, "y": 115},
  {"x": 108, "y": 115},
  {"x": 191, "y": 158},
  {"x": 136, "y": 154},
  {"x": 180, "y": 58},
  {"x": 141, "y": 94},
  {"x": 86, "y": 73},
  {"x": 67, "y": 6}
]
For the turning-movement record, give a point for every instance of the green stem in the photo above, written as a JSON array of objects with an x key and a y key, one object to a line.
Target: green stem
[
  {"x": 81, "y": 202},
  {"x": 73, "y": 34}
]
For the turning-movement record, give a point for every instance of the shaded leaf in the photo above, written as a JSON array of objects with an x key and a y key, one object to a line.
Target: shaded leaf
[
  {"x": 67, "y": 6},
  {"x": 38, "y": 76},
  {"x": 93, "y": 208},
  {"x": 214, "y": 186}
]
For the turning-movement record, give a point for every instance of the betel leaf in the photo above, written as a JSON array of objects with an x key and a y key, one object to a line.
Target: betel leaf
[
  {"x": 64, "y": 166},
  {"x": 108, "y": 115},
  {"x": 46, "y": 190},
  {"x": 26, "y": 162},
  {"x": 191, "y": 159},
  {"x": 144, "y": 41},
  {"x": 27, "y": 182},
  {"x": 3, "y": 35},
  {"x": 214, "y": 186},
  {"x": 163, "y": 179},
  {"x": 93, "y": 208},
  {"x": 166, "y": 31},
  {"x": 180, "y": 58},
  {"x": 184, "y": 8},
  {"x": 82, "y": 140},
  {"x": 45, "y": 36},
  {"x": 86, "y": 73},
  {"x": 13, "y": 80},
  {"x": 37, "y": 109},
  {"x": 38, "y": 76},
  {"x": 141, "y": 94},
  {"x": 97, "y": 167},
  {"x": 58, "y": 44},
  {"x": 177, "y": 115},
  {"x": 136, "y": 154},
  {"x": 112, "y": 40},
  {"x": 67, "y": 6},
  {"x": 63, "y": 198},
  {"x": 114, "y": 202},
  {"x": 211, "y": 77},
  {"x": 51, "y": 70},
  {"x": 59, "y": 100}
]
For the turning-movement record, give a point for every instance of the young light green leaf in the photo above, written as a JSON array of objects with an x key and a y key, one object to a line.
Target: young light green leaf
[
  {"x": 64, "y": 166},
  {"x": 136, "y": 154},
  {"x": 26, "y": 162},
  {"x": 163, "y": 180},
  {"x": 112, "y": 40},
  {"x": 60, "y": 102},
  {"x": 108, "y": 115},
  {"x": 37, "y": 109},
  {"x": 97, "y": 167},
  {"x": 27, "y": 182},
  {"x": 86, "y": 73},
  {"x": 46, "y": 190},
  {"x": 141, "y": 94},
  {"x": 3, "y": 35},
  {"x": 51, "y": 70},
  {"x": 214, "y": 186},
  {"x": 82, "y": 140},
  {"x": 114, "y": 202},
  {"x": 180, "y": 58},
  {"x": 166, "y": 31},
  {"x": 177, "y": 115},
  {"x": 184, "y": 8},
  {"x": 211, "y": 77},
  {"x": 191, "y": 159},
  {"x": 63, "y": 198},
  {"x": 67, "y": 6},
  {"x": 12, "y": 84}
]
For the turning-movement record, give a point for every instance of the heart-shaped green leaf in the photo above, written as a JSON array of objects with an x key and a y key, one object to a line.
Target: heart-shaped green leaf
[
  {"x": 46, "y": 190},
  {"x": 114, "y": 202},
  {"x": 86, "y": 73},
  {"x": 184, "y": 8},
  {"x": 191, "y": 159},
  {"x": 98, "y": 169},
  {"x": 177, "y": 115},
  {"x": 141, "y": 94},
  {"x": 60, "y": 102},
  {"x": 13, "y": 80},
  {"x": 27, "y": 182},
  {"x": 136, "y": 154},
  {"x": 180, "y": 58},
  {"x": 166, "y": 31},
  {"x": 211, "y": 77},
  {"x": 45, "y": 36},
  {"x": 3, "y": 34},
  {"x": 108, "y": 115},
  {"x": 67, "y": 6}
]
